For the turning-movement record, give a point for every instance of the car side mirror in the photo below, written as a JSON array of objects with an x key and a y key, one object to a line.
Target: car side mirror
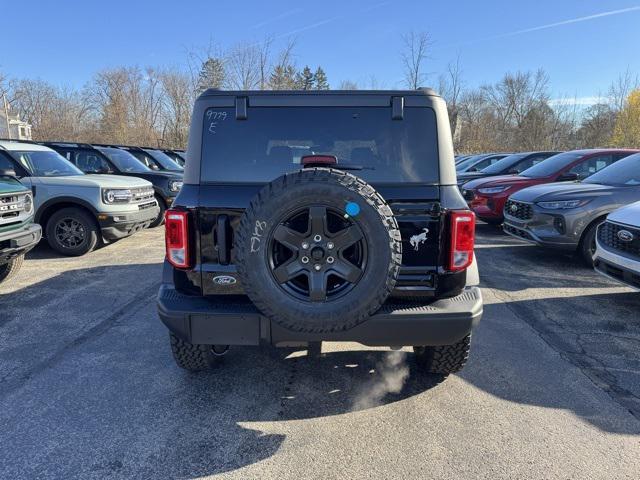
[
  {"x": 472, "y": 169},
  {"x": 513, "y": 171},
  {"x": 7, "y": 172},
  {"x": 568, "y": 177}
]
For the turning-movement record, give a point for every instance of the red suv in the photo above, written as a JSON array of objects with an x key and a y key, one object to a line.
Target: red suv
[{"x": 487, "y": 196}]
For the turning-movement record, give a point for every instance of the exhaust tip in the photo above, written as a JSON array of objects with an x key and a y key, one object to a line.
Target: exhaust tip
[{"x": 219, "y": 350}]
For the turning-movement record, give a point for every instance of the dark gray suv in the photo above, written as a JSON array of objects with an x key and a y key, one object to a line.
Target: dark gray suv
[{"x": 565, "y": 215}]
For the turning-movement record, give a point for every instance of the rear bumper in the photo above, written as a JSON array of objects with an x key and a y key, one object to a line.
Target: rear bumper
[
  {"x": 119, "y": 225},
  {"x": 224, "y": 321},
  {"x": 19, "y": 241}
]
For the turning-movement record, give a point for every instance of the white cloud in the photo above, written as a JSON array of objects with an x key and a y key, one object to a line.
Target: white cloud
[{"x": 569, "y": 22}]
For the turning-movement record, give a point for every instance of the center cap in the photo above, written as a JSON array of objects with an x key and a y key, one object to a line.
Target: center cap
[{"x": 317, "y": 253}]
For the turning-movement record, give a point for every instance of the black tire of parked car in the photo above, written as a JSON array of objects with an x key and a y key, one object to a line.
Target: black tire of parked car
[
  {"x": 72, "y": 231},
  {"x": 194, "y": 358},
  {"x": 10, "y": 268},
  {"x": 443, "y": 359},
  {"x": 160, "y": 218},
  {"x": 323, "y": 194},
  {"x": 587, "y": 246}
]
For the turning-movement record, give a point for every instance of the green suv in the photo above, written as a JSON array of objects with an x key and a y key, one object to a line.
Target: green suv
[{"x": 18, "y": 233}]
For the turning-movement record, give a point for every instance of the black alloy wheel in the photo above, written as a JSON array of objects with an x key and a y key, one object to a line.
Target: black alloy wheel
[{"x": 316, "y": 254}]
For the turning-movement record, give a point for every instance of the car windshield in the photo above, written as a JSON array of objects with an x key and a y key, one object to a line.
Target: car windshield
[
  {"x": 164, "y": 161},
  {"x": 273, "y": 141},
  {"x": 625, "y": 172},
  {"x": 45, "y": 163},
  {"x": 504, "y": 164},
  {"x": 124, "y": 160},
  {"x": 552, "y": 165},
  {"x": 468, "y": 162}
]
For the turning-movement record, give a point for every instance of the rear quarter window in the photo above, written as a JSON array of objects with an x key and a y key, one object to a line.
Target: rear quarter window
[{"x": 272, "y": 141}]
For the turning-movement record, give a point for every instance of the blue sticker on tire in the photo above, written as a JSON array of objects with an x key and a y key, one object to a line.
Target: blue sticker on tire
[{"x": 352, "y": 209}]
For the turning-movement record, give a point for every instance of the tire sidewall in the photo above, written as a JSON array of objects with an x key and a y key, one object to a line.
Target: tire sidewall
[{"x": 90, "y": 227}]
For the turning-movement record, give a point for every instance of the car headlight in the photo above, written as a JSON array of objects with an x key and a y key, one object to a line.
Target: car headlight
[
  {"x": 175, "y": 185},
  {"x": 27, "y": 204},
  {"x": 117, "y": 195},
  {"x": 494, "y": 189},
  {"x": 562, "y": 204}
]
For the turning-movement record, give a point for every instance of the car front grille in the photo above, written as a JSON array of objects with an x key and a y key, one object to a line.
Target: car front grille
[
  {"x": 519, "y": 210},
  {"x": 12, "y": 208},
  {"x": 610, "y": 237},
  {"x": 142, "y": 194}
]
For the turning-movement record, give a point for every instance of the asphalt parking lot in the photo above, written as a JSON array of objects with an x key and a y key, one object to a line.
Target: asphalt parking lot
[{"x": 88, "y": 388}]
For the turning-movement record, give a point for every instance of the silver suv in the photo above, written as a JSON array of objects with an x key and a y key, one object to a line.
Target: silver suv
[{"x": 77, "y": 211}]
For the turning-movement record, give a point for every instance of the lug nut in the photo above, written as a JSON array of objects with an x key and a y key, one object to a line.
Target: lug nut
[
  {"x": 305, "y": 245},
  {"x": 317, "y": 267},
  {"x": 330, "y": 259},
  {"x": 317, "y": 238},
  {"x": 304, "y": 259},
  {"x": 330, "y": 245}
]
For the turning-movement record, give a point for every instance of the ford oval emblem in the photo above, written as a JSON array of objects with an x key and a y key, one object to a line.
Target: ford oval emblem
[
  {"x": 224, "y": 280},
  {"x": 625, "y": 235}
]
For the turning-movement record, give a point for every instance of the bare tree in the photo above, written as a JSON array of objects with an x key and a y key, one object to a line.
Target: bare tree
[
  {"x": 177, "y": 104},
  {"x": 348, "y": 85},
  {"x": 413, "y": 55},
  {"x": 243, "y": 61},
  {"x": 451, "y": 86},
  {"x": 621, "y": 88}
]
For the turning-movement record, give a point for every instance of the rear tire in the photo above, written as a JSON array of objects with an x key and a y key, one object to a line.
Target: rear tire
[
  {"x": 443, "y": 359},
  {"x": 160, "y": 218},
  {"x": 79, "y": 227},
  {"x": 10, "y": 268},
  {"x": 188, "y": 356}
]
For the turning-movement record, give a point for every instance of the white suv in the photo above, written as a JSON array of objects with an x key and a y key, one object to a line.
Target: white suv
[{"x": 618, "y": 246}]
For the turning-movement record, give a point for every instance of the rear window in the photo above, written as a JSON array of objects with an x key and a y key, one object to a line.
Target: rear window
[{"x": 273, "y": 140}]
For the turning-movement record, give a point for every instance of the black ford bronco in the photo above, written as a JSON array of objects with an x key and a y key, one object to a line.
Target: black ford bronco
[{"x": 320, "y": 216}]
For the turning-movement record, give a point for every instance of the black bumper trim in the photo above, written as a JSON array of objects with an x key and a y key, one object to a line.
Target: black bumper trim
[
  {"x": 19, "y": 241},
  {"x": 127, "y": 224},
  {"x": 200, "y": 320}
]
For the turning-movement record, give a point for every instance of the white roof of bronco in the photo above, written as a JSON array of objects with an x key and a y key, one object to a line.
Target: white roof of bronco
[{"x": 22, "y": 146}]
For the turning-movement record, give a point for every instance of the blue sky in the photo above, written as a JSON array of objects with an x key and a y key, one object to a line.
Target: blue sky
[{"x": 583, "y": 44}]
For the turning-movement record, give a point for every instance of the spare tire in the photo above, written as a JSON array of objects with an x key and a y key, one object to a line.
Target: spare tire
[{"x": 318, "y": 250}]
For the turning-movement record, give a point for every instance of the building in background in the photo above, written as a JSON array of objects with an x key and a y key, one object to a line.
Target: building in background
[{"x": 11, "y": 126}]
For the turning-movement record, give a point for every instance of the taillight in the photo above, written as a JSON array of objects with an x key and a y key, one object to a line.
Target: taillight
[
  {"x": 176, "y": 228},
  {"x": 462, "y": 228}
]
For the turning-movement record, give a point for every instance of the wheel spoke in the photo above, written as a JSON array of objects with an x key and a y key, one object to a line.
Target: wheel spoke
[
  {"x": 288, "y": 237},
  {"x": 317, "y": 286},
  {"x": 347, "y": 237},
  {"x": 318, "y": 221},
  {"x": 288, "y": 271},
  {"x": 346, "y": 270}
]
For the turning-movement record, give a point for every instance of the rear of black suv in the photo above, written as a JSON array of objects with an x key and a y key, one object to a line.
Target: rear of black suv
[{"x": 324, "y": 216}]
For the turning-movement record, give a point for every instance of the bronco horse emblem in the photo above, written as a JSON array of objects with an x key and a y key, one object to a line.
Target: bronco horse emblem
[{"x": 417, "y": 240}]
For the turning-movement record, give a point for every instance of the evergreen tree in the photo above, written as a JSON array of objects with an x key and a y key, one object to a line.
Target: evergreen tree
[
  {"x": 283, "y": 77},
  {"x": 212, "y": 75},
  {"x": 321, "y": 80},
  {"x": 305, "y": 80}
]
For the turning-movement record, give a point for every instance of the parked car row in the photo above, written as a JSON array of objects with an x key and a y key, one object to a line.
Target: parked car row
[
  {"x": 562, "y": 201},
  {"x": 79, "y": 195}
]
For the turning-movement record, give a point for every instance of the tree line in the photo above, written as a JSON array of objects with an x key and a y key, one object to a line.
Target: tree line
[{"x": 152, "y": 105}]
